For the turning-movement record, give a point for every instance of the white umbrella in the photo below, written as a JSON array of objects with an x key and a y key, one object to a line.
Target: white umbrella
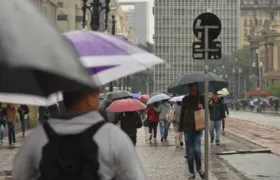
[
  {"x": 223, "y": 92},
  {"x": 158, "y": 98},
  {"x": 30, "y": 99}
]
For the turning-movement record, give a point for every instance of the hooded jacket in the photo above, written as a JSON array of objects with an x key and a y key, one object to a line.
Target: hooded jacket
[{"x": 117, "y": 156}]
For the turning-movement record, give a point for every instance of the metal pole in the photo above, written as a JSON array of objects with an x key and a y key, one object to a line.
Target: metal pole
[
  {"x": 111, "y": 85},
  {"x": 206, "y": 148},
  {"x": 245, "y": 85},
  {"x": 258, "y": 81},
  {"x": 239, "y": 89},
  {"x": 148, "y": 83}
]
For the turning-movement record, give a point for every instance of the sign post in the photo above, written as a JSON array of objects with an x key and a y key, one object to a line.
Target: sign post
[{"x": 206, "y": 27}]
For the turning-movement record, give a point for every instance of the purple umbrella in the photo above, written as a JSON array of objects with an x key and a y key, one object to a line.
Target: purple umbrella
[
  {"x": 108, "y": 57},
  {"x": 136, "y": 96}
]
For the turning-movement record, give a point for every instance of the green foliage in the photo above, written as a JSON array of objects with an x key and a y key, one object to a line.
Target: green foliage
[
  {"x": 274, "y": 90},
  {"x": 243, "y": 58},
  {"x": 139, "y": 82}
]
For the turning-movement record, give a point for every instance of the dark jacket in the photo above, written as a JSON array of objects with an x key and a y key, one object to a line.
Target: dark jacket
[
  {"x": 23, "y": 110},
  {"x": 189, "y": 106},
  {"x": 217, "y": 110},
  {"x": 3, "y": 115},
  {"x": 44, "y": 113},
  {"x": 130, "y": 121},
  {"x": 226, "y": 108}
]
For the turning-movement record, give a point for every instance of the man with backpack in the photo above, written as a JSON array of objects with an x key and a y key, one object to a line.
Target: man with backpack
[{"x": 78, "y": 145}]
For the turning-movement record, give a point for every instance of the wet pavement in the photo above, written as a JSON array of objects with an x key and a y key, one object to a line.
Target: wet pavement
[
  {"x": 256, "y": 166},
  {"x": 264, "y": 119},
  {"x": 165, "y": 161},
  {"x": 263, "y": 135}
]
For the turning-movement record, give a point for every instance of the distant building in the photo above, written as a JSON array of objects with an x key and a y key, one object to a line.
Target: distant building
[
  {"x": 174, "y": 35},
  {"x": 137, "y": 16}
]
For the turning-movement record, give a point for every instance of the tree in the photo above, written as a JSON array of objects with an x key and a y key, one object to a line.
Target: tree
[{"x": 274, "y": 90}]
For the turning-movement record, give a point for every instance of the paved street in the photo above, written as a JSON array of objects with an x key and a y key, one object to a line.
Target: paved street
[
  {"x": 164, "y": 161},
  {"x": 256, "y": 128},
  {"x": 265, "y": 119}
]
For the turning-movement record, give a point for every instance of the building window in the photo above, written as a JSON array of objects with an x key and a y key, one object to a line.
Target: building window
[
  {"x": 60, "y": 4},
  {"x": 79, "y": 18},
  {"x": 62, "y": 17}
]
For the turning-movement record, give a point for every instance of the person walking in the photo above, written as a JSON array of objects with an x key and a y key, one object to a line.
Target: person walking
[
  {"x": 177, "y": 110},
  {"x": 44, "y": 114},
  {"x": 23, "y": 112},
  {"x": 190, "y": 104},
  {"x": 78, "y": 144},
  {"x": 163, "y": 109},
  {"x": 3, "y": 115},
  {"x": 153, "y": 117},
  {"x": 226, "y": 112},
  {"x": 217, "y": 113},
  {"x": 129, "y": 123},
  {"x": 11, "y": 121}
]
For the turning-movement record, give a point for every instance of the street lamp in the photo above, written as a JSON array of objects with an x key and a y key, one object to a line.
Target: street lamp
[
  {"x": 258, "y": 65},
  {"x": 239, "y": 89},
  {"x": 95, "y": 9}
]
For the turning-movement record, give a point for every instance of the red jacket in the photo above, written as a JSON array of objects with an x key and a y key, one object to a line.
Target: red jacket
[{"x": 153, "y": 115}]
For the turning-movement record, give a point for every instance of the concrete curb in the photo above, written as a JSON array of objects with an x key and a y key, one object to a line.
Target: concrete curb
[{"x": 245, "y": 152}]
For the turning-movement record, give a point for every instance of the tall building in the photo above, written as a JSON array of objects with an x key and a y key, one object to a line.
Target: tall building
[
  {"x": 137, "y": 14},
  {"x": 174, "y": 35}
]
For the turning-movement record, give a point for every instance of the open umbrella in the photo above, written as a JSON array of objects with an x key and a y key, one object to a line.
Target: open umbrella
[
  {"x": 144, "y": 96},
  {"x": 108, "y": 57},
  {"x": 223, "y": 92},
  {"x": 126, "y": 105},
  {"x": 179, "y": 86},
  {"x": 118, "y": 95},
  {"x": 177, "y": 98},
  {"x": 35, "y": 59},
  {"x": 155, "y": 93},
  {"x": 158, "y": 98}
]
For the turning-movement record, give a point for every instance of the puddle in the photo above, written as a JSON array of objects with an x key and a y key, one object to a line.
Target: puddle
[{"x": 256, "y": 166}]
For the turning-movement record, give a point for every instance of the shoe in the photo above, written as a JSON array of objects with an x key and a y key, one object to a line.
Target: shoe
[
  {"x": 161, "y": 139},
  {"x": 218, "y": 143},
  {"x": 150, "y": 138},
  {"x": 192, "y": 176},
  {"x": 186, "y": 156},
  {"x": 201, "y": 173},
  {"x": 212, "y": 140},
  {"x": 181, "y": 144}
]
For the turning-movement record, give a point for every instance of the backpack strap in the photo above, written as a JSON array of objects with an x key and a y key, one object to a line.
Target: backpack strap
[
  {"x": 49, "y": 131},
  {"x": 90, "y": 132}
]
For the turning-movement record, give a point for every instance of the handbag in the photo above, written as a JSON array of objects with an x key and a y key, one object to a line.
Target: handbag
[
  {"x": 146, "y": 123},
  {"x": 199, "y": 118}
]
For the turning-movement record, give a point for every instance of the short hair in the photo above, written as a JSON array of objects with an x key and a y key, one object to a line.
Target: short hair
[{"x": 71, "y": 98}]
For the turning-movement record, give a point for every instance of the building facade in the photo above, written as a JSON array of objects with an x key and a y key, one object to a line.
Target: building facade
[
  {"x": 174, "y": 35},
  {"x": 49, "y": 7},
  {"x": 69, "y": 15},
  {"x": 137, "y": 15},
  {"x": 260, "y": 27}
]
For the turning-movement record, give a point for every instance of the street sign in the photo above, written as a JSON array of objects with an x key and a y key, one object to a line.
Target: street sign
[
  {"x": 207, "y": 19},
  {"x": 215, "y": 50}
]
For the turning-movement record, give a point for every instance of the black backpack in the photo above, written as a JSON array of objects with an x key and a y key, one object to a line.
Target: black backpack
[{"x": 70, "y": 157}]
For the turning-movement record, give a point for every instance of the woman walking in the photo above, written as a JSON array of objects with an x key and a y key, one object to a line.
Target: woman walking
[
  {"x": 11, "y": 120},
  {"x": 2, "y": 122},
  {"x": 163, "y": 123},
  {"x": 177, "y": 111},
  {"x": 129, "y": 123},
  {"x": 153, "y": 117}
]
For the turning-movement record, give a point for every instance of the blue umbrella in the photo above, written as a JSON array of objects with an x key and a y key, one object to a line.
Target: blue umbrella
[
  {"x": 158, "y": 98},
  {"x": 136, "y": 96}
]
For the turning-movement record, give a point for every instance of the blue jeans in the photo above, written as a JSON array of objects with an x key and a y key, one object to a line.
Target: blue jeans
[
  {"x": 215, "y": 126},
  {"x": 1, "y": 133},
  {"x": 11, "y": 133},
  {"x": 193, "y": 147},
  {"x": 163, "y": 128},
  {"x": 23, "y": 126}
]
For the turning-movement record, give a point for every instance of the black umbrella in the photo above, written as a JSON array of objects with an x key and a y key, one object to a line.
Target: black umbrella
[
  {"x": 35, "y": 58},
  {"x": 118, "y": 95},
  {"x": 179, "y": 86}
]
